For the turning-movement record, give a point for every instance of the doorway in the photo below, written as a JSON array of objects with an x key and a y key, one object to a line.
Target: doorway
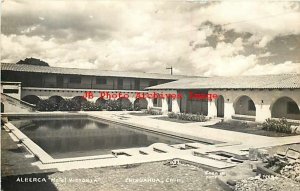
[{"x": 220, "y": 106}]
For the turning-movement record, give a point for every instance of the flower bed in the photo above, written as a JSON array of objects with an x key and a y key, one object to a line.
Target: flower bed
[
  {"x": 153, "y": 111},
  {"x": 281, "y": 125},
  {"x": 187, "y": 116}
]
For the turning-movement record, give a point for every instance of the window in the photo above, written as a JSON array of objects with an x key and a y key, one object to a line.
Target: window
[
  {"x": 10, "y": 91},
  {"x": 137, "y": 84},
  {"x": 101, "y": 81},
  {"x": 75, "y": 80},
  {"x": 120, "y": 84},
  {"x": 59, "y": 81},
  {"x": 153, "y": 83},
  {"x": 292, "y": 108},
  {"x": 251, "y": 105}
]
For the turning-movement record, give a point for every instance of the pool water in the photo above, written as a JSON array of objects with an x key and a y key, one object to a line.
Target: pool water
[{"x": 74, "y": 137}]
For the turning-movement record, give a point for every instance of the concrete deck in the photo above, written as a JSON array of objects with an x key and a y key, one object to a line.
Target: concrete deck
[
  {"x": 216, "y": 140},
  {"x": 197, "y": 129}
]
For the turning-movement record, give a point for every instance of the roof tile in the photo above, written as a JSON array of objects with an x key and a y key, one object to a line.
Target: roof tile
[
  {"x": 281, "y": 81},
  {"x": 87, "y": 72}
]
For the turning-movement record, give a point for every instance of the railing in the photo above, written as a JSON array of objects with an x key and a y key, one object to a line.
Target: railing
[
  {"x": 77, "y": 86},
  {"x": 81, "y": 90}
]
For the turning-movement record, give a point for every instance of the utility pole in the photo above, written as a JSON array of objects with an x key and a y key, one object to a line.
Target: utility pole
[{"x": 170, "y": 68}]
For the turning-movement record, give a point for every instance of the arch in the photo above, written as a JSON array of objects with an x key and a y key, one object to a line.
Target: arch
[
  {"x": 140, "y": 103},
  {"x": 285, "y": 107},
  {"x": 220, "y": 106},
  {"x": 2, "y": 107},
  {"x": 169, "y": 101},
  {"x": 125, "y": 103},
  {"x": 33, "y": 99},
  {"x": 244, "y": 105},
  {"x": 101, "y": 101},
  {"x": 56, "y": 99},
  {"x": 79, "y": 99}
]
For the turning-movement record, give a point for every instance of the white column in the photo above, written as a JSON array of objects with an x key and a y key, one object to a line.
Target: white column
[
  {"x": 19, "y": 92},
  {"x": 150, "y": 103},
  {"x": 228, "y": 110},
  {"x": 164, "y": 106},
  {"x": 175, "y": 106},
  {"x": 263, "y": 112},
  {"x": 132, "y": 99},
  {"x": 212, "y": 108},
  {"x": 94, "y": 99}
]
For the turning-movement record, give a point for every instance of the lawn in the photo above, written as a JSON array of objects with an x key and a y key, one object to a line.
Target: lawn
[{"x": 246, "y": 127}]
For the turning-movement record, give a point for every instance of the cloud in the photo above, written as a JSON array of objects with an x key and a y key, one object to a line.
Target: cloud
[
  {"x": 224, "y": 60},
  {"x": 264, "y": 41},
  {"x": 268, "y": 18},
  {"x": 284, "y": 68}
]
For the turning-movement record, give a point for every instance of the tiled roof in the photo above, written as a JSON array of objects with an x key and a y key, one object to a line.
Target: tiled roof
[
  {"x": 86, "y": 72},
  {"x": 281, "y": 81}
]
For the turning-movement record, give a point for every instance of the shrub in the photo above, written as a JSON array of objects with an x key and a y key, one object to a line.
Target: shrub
[
  {"x": 187, "y": 116},
  {"x": 90, "y": 106},
  {"x": 137, "y": 106},
  {"x": 126, "y": 104},
  {"x": 153, "y": 111},
  {"x": 46, "y": 105},
  {"x": 113, "y": 105},
  {"x": 68, "y": 105},
  {"x": 199, "y": 117},
  {"x": 281, "y": 125},
  {"x": 140, "y": 104},
  {"x": 129, "y": 107},
  {"x": 101, "y": 104},
  {"x": 172, "y": 115}
]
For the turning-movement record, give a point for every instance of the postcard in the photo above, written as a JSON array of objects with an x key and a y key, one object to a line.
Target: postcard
[{"x": 150, "y": 95}]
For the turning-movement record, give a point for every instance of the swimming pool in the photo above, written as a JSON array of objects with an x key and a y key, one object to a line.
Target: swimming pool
[{"x": 84, "y": 136}]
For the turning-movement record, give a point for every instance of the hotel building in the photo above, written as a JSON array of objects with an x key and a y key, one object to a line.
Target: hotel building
[{"x": 253, "y": 98}]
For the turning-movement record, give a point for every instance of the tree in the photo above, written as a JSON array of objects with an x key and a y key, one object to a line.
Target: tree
[{"x": 33, "y": 61}]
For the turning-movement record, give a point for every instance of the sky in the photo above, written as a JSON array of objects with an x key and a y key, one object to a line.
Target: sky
[{"x": 195, "y": 37}]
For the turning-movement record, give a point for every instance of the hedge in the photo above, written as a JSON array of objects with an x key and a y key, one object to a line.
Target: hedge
[
  {"x": 187, "y": 116},
  {"x": 281, "y": 125}
]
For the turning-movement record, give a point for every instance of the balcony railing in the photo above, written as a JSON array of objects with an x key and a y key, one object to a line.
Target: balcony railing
[
  {"x": 79, "y": 90},
  {"x": 80, "y": 86}
]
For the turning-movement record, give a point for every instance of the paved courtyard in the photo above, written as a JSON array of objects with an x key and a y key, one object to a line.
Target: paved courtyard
[
  {"x": 138, "y": 166},
  {"x": 225, "y": 141},
  {"x": 197, "y": 130}
]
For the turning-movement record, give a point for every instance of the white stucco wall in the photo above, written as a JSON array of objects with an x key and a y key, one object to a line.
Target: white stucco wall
[
  {"x": 263, "y": 100},
  {"x": 12, "y": 86}
]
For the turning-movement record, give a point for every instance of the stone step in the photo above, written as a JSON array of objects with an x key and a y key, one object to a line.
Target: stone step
[
  {"x": 179, "y": 146},
  {"x": 243, "y": 117},
  {"x": 197, "y": 145},
  {"x": 147, "y": 151},
  {"x": 206, "y": 162}
]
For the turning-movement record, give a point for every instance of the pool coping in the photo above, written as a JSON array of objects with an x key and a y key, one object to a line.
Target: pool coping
[
  {"x": 46, "y": 159},
  {"x": 116, "y": 121},
  {"x": 42, "y": 155}
]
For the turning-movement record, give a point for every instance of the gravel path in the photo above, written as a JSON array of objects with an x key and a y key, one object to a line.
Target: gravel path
[
  {"x": 150, "y": 176},
  {"x": 268, "y": 184}
]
